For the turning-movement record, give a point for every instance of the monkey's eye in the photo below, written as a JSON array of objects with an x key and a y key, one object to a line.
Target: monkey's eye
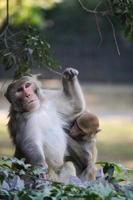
[
  {"x": 20, "y": 89},
  {"x": 27, "y": 85}
]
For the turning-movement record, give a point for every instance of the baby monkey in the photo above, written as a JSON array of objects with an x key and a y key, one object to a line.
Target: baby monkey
[
  {"x": 84, "y": 131},
  {"x": 85, "y": 127}
]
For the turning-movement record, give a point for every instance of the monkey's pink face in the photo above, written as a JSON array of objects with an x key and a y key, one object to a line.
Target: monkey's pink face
[{"x": 26, "y": 93}]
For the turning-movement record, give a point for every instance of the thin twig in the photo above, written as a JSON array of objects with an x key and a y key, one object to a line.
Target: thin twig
[
  {"x": 54, "y": 71},
  {"x": 98, "y": 4},
  {"x": 103, "y": 12},
  {"x": 5, "y": 40},
  {"x": 110, "y": 5},
  {"x": 4, "y": 33},
  {"x": 1, "y": 89},
  {"x": 114, "y": 35},
  {"x": 99, "y": 30},
  {"x": 13, "y": 35},
  {"x": 7, "y": 19},
  {"x": 7, "y": 10}
]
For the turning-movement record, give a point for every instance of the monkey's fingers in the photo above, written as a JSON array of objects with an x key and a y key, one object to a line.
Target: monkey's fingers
[{"x": 70, "y": 73}]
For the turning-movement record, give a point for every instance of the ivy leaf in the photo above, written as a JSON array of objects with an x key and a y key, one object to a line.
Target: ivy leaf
[
  {"x": 5, "y": 185},
  {"x": 38, "y": 171},
  {"x": 20, "y": 164},
  {"x": 27, "y": 184},
  {"x": 4, "y": 194},
  {"x": 102, "y": 190},
  {"x": 16, "y": 183}
]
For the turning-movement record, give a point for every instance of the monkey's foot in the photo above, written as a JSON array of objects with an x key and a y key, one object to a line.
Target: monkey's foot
[{"x": 70, "y": 73}]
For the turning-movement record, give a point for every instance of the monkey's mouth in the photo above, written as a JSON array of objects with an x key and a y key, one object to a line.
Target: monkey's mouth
[{"x": 32, "y": 101}]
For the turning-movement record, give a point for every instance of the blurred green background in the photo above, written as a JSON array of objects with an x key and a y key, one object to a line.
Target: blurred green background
[{"x": 84, "y": 41}]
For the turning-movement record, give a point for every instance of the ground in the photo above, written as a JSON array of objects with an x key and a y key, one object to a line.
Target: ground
[{"x": 113, "y": 105}]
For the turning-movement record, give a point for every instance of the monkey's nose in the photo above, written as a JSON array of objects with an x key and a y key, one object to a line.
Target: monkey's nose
[{"x": 27, "y": 95}]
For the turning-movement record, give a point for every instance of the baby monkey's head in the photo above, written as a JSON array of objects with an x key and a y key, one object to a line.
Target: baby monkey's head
[{"x": 86, "y": 125}]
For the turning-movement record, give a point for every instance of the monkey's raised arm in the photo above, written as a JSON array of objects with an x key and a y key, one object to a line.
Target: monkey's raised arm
[{"x": 72, "y": 90}]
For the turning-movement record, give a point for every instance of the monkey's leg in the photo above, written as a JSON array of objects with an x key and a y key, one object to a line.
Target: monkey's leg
[
  {"x": 89, "y": 173},
  {"x": 52, "y": 175},
  {"x": 66, "y": 172},
  {"x": 77, "y": 154}
]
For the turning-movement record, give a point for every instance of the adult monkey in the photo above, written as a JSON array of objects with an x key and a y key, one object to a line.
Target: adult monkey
[{"x": 32, "y": 113}]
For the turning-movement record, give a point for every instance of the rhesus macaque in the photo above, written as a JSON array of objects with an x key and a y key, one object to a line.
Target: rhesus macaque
[
  {"x": 84, "y": 130},
  {"x": 38, "y": 118},
  {"x": 85, "y": 126}
]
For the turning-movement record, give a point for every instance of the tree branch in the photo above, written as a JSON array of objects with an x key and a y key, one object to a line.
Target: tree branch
[
  {"x": 7, "y": 12},
  {"x": 114, "y": 35},
  {"x": 99, "y": 30},
  {"x": 103, "y": 12}
]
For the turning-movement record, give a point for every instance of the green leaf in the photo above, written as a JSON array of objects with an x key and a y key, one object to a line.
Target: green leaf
[
  {"x": 24, "y": 50},
  {"x": 26, "y": 182}
]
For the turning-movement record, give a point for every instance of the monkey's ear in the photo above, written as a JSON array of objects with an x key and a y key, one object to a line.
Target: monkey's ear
[
  {"x": 7, "y": 97},
  {"x": 8, "y": 94},
  {"x": 98, "y": 130}
]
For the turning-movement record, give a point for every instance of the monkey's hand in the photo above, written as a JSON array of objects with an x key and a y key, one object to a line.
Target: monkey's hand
[{"x": 70, "y": 73}]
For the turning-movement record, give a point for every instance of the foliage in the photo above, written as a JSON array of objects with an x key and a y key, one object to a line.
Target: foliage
[
  {"x": 25, "y": 10},
  {"x": 33, "y": 11},
  {"x": 123, "y": 10},
  {"x": 115, "y": 173},
  {"x": 118, "y": 10},
  {"x": 24, "y": 50},
  {"x": 90, "y": 15},
  {"x": 25, "y": 182}
]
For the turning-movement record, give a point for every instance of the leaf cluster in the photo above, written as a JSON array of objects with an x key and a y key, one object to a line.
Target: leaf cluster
[
  {"x": 24, "y": 50},
  {"x": 123, "y": 10},
  {"x": 20, "y": 181},
  {"x": 113, "y": 172}
]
